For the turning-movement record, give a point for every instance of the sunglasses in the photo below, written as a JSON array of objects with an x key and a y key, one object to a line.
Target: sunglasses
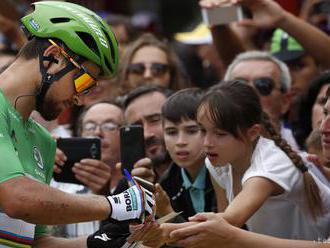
[
  {"x": 265, "y": 86},
  {"x": 83, "y": 81},
  {"x": 156, "y": 69}
]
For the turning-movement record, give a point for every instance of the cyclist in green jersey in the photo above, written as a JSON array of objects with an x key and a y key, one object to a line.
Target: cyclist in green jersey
[{"x": 69, "y": 47}]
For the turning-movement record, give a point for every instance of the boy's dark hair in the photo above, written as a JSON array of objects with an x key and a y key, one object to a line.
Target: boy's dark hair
[
  {"x": 182, "y": 105},
  {"x": 145, "y": 89}
]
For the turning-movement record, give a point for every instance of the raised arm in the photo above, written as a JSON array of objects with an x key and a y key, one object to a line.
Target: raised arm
[
  {"x": 227, "y": 43},
  {"x": 255, "y": 192},
  {"x": 269, "y": 14}
]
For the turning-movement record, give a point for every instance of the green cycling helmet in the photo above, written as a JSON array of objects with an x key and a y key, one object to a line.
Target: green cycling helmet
[{"x": 81, "y": 30}]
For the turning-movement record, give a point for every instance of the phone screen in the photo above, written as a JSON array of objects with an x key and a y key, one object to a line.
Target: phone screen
[
  {"x": 131, "y": 145},
  {"x": 75, "y": 150}
]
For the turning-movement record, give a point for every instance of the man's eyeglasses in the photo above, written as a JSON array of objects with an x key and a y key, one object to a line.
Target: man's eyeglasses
[
  {"x": 83, "y": 81},
  {"x": 105, "y": 127},
  {"x": 265, "y": 85},
  {"x": 157, "y": 69}
]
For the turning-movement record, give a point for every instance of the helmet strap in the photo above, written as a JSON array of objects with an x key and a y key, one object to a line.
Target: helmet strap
[{"x": 48, "y": 79}]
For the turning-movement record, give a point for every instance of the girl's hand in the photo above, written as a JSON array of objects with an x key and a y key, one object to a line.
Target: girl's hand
[
  {"x": 150, "y": 234},
  {"x": 211, "y": 231}
]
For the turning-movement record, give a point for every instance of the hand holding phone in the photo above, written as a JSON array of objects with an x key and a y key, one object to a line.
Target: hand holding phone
[
  {"x": 131, "y": 146},
  {"x": 76, "y": 149}
]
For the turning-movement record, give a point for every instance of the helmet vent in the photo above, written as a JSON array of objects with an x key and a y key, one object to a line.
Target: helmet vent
[
  {"x": 89, "y": 41},
  {"x": 108, "y": 64},
  {"x": 112, "y": 49},
  {"x": 60, "y": 19}
]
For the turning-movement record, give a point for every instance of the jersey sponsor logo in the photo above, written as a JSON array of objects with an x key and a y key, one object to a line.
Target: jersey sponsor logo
[
  {"x": 128, "y": 201},
  {"x": 104, "y": 237},
  {"x": 117, "y": 200},
  {"x": 38, "y": 158}
]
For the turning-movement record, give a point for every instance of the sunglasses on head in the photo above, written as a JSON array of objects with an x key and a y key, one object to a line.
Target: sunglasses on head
[
  {"x": 265, "y": 86},
  {"x": 157, "y": 69},
  {"x": 83, "y": 81}
]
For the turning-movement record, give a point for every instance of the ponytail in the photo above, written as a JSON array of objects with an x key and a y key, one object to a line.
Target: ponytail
[{"x": 311, "y": 189}]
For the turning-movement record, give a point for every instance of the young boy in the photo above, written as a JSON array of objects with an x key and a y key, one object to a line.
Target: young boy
[{"x": 187, "y": 181}]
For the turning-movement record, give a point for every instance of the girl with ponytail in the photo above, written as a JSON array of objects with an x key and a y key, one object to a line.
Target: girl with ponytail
[{"x": 267, "y": 185}]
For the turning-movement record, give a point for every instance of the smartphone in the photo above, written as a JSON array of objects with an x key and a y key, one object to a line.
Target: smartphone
[
  {"x": 222, "y": 15},
  {"x": 131, "y": 146},
  {"x": 145, "y": 184},
  {"x": 76, "y": 149}
]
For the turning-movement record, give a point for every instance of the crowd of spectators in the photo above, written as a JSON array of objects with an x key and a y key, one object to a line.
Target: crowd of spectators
[{"x": 188, "y": 91}]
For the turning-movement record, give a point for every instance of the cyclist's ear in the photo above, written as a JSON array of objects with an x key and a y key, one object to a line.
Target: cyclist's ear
[{"x": 53, "y": 55}]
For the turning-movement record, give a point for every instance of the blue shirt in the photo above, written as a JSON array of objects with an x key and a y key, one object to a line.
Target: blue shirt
[{"x": 196, "y": 189}]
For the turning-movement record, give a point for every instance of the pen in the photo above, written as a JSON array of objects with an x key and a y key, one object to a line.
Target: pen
[{"x": 129, "y": 177}]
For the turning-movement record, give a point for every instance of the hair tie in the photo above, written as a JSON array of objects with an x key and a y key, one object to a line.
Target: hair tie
[{"x": 303, "y": 168}]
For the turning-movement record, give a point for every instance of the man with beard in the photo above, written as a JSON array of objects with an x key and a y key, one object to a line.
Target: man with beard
[
  {"x": 143, "y": 106},
  {"x": 69, "y": 47}
]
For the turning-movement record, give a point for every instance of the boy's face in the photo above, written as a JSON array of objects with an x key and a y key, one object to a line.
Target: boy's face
[{"x": 184, "y": 142}]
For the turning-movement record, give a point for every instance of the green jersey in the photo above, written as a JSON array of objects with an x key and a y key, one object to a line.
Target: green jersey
[{"x": 26, "y": 149}]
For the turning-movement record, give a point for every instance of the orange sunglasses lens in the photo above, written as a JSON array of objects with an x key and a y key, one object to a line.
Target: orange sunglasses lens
[{"x": 84, "y": 82}]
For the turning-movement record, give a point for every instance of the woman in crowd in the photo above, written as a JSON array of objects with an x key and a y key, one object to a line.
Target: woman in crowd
[{"x": 150, "y": 61}]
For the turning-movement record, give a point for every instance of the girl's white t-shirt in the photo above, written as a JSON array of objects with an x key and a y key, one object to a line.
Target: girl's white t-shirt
[{"x": 285, "y": 215}]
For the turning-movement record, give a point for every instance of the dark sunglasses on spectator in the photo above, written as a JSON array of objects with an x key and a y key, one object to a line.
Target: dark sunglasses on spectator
[
  {"x": 265, "y": 86},
  {"x": 157, "y": 69}
]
